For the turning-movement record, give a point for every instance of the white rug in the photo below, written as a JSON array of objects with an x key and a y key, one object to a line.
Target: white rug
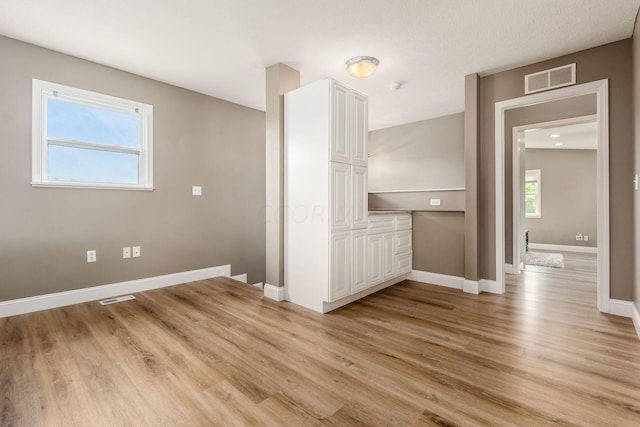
[{"x": 544, "y": 259}]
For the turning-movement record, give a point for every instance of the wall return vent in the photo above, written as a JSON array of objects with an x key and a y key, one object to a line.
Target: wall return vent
[{"x": 550, "y": 79}]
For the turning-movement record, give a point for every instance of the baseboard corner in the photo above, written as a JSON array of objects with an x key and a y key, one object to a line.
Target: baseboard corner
[
  {"x": 636, "y": 319},
  {"x": 471, "y": 287},
  {"x": 276, "y": 293},
  {"x": 621, "y": 308}
]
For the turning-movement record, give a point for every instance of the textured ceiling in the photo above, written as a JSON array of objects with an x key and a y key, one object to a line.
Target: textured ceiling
[{"x": 221, "y": 47}]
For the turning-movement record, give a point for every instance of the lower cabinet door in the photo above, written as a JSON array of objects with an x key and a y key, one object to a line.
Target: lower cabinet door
[
  {"x": 388, "y": 256},
  {"x": 374, "y": 259},
  {"x": 340, "y": 266},
  {"x": 358, "y": 260},
  {"x": 403, "y": 263}
]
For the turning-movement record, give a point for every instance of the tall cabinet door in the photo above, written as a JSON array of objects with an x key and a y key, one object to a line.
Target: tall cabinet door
[
  {"x": 340, "y": 266},
  {"x": 374, "y": 259},
  {"x": 340, "y": 117},
  {"x": 359, "y": 197},
  {"x": 358, "y": 260},
  {"x": 388, "y": 256},
  {"x": 340, "y": 196},
  {"x": 359, "y": 129}
]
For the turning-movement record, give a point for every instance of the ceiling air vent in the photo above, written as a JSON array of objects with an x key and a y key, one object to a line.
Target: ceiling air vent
[{"x": 550, "y": 79}]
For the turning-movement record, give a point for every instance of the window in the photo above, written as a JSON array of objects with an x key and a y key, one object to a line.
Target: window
[
  {"x": 86, "y": 139},
  {"x": 532, "y": 194}
]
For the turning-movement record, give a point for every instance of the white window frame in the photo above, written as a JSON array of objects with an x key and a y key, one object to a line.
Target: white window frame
[
  {"x": 537, "y": 174},
  {"x": 43, "y": 90}
]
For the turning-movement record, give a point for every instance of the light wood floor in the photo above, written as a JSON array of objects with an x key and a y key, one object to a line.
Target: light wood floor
[{"x": 217, "y": 353}]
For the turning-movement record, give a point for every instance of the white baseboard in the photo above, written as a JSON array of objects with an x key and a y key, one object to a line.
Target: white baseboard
[
  {"x": 240, "y": 277},
  {"x": 563, "y": 248},
  {"x": 636, "y": 319},
  {"x": 471, "y": 287},
  {"x": 276, "y": 293},
  {"x": 511, "y": 269},
  {"x": 621, "y": 308},
  {"x": 489, "y": 286},
  {"x": 77, "y": 296},
  {"x": 436, "y": 279},
  {"x": 258, "y": 285}
]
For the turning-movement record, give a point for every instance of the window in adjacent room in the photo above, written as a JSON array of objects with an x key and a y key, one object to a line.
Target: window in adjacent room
[
  {"x": 87, "y": 139},
  {"x": 532, "y": 194}
]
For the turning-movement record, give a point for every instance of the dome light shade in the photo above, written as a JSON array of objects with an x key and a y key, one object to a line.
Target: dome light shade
[{"x": 361, "y": 66}]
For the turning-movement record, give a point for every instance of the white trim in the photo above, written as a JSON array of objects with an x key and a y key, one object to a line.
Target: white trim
[
  {"x": 240, "y": 277},
  {"x": 77, "y": 296},
  {"x": 508, "y": 268},
  {"x": 601, "y": 89},
  {"x": 635, "y": 316},
  {"x": 471, "y": 287},
  {"x": 564, "y": 248},
  {"x": 621, "y": 308},
  {"x": 328, "y": 306},
  {"x": 40, "y": 141},
  {"x": 258, "y": 285},
  {"x": 436, "y": 279},
  {"x": 426, "y": 190},
  {"x": 490, "y": 286},
  {"x": 276, "y": 293}
]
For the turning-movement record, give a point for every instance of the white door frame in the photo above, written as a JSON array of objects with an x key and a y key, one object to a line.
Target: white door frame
[
  {"x": 517, "y": 184},
  {"x": 601, "y": 89}
]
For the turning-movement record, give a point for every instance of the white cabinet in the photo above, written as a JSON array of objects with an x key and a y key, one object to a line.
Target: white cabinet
[
  {"x": 390, "y": 254},
  {"x": 325, "y": 194},
  {"x": 374, "y": 245},
  {"x": 360, "y": 202},
  {"x": 340, "y": 196},
  {"x": 359, "y": 130},
  {"x": 359, "y": 260},
  {"x": 340, "y": 124},
  {"x": 340, "y": 266}
]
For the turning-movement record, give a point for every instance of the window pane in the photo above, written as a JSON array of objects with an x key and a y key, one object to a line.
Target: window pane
[
  {"x": 82, "y": 165},
  {"x": 67, "y": 120},
  {"x": 531, "y": 188},
  {"x": 531, "y": 205}
]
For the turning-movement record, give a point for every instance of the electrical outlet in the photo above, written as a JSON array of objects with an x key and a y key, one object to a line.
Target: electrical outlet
[
  {"x": 579, "y": 237},
  {"x": 126, "y": 252},
  {"x": 91, "y": 256},
  {"x": 434, "y": 202},
  {"x": 136, "y": 251},
  {"x": 196, "y": 190},
  {"x": 586, "y": 238}
]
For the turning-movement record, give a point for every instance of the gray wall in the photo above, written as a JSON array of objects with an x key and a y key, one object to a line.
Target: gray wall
[
  {"x": 198, "y": 140},
  {"x": 578, "y": 106},
  {"x": 613, "y": 62},
  {"x": 417, "y": 156},
  {"x": 424, "y": 155},
  {"x": 568, "y": 195}
]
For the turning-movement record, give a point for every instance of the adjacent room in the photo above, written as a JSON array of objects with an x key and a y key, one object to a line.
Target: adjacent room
[{"x": 338, "y": 213}]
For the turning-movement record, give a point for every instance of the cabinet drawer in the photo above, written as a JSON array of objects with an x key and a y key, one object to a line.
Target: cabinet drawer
[
  {"x": 403, "y": 222},
  {"x": 403, "y": 241},
  {"x": 380, "y": 223},
  {"x": 404, "y": 263}
]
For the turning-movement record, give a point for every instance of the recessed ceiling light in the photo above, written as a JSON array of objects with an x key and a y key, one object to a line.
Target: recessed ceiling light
[
  {"x": 555, "y": 135},
  {"x": 395, "y": 86},
  {"x": 558, "y": 144},
  {"x": 361, "y": 66}
]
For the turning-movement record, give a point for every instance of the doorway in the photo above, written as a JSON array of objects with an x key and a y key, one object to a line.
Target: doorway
[
  {"x": 600, "y": 89},
  {"x": 554, "y": 162}
]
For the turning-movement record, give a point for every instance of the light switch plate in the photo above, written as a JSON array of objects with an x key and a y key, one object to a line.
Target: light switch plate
[
  {"x": 196, "y": 190},
  {"x": 434, "y": 202},
  {"x": 135, "y": 251}
]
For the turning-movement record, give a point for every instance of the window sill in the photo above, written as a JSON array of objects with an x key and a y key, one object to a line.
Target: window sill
[
  {"x": 92, "y": 186},
  {"x": 533, "y": 216}
]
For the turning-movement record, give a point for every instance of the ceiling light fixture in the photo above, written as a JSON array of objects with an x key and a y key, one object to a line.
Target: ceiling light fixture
[
  {"x": 555, "y": 135},
  {"x": 558, "y": 144},
  {"x": 361, "y": 66}
]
